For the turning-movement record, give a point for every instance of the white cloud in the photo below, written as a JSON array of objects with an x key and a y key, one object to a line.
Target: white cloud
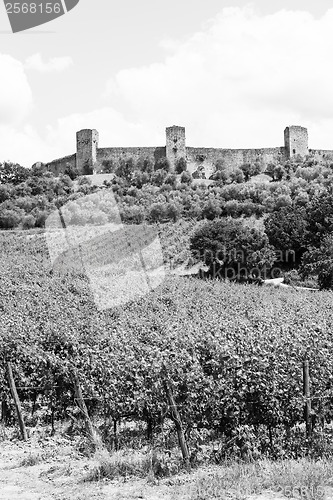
[
  {"x": 21, "y": 145},
  {"x": 238, "y": 82},
  {"x": 54, "y": 65},
  {"x": 26, "y": 146},
  {"x": 15, "y": 92}
]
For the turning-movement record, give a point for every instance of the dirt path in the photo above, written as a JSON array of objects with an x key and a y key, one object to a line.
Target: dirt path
[{"x": 58, "y": 475}]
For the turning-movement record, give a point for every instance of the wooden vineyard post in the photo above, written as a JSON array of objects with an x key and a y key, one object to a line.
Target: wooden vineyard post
[
  {"x": 306, "y": 392},
  {"x": 175, "y": 416},
  {"x": 91, "y": 431},
  {"x": 16, "y": 401}
]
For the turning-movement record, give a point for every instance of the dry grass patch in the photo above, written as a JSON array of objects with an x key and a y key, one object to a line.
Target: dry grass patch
[
  {"x": 303, "y": 479},
  {"x": 119, "y": 464}
]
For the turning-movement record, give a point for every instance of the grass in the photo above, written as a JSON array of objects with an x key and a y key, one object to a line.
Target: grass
[
  {"x": 236, "y": 480},
  {"x": 264, "y": 479},
  {"x": 304, "y": 479},
  {"x": 31, "y": 459},
  {"x": 132, "y": 463},
  {"x": 119, "y": 464}
]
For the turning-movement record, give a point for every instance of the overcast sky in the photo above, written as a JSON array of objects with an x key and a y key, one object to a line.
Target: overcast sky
[{"x": 233, "y": 73}]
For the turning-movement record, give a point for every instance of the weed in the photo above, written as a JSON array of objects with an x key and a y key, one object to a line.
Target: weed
[
  {"x": 119, "y": 463},
  {"x": 290, "y": 478},
  {"x": 31, "y": 459}
]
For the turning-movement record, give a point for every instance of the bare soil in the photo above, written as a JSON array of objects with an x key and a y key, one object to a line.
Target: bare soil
[{"x": 53, "y": 470}]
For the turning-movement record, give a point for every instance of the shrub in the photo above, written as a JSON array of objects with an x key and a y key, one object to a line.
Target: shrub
[
  {"x": 40, "y": 218},
  {"x": 133, "y": 215},
  {"x": 157, "y": 212},
  {"x": 84, "y": 181},
  {"x": 120, "y": 464},
  {"x": 181, "y": 165},
  {"x": 162, "y": 164},
  {"x": 237, "y": 176},
  {"x": 283, "y": 200},
  {"x": 28, "y": 222},
  {"x": 158, "y": 177},
  {"x": 232, "y": 208},
  {"x": 31, "y": 459},
  {"x": 186, "y": 178},
  {"x": 220, "y": 176},
  {"x": 231, "y": 249},
  {"x": 5, "y": 192},
  {"x": 211, "y": 210},
  {"x": 172, "y": 211},
  {"x": 108, "y": 166},
  {"x": 171, "y": 180},
  {"x": 319, "y": 261},
  {"x": 250, "y": 169},
  {"x": 220, "y": 164},
  {"x": 126, "y": 169},
  {"x": 287, "y": 232},
  {"x": 88, "y": 168},
  {"x": 9, "y": 219},
  {"x": 72, "y": 171}
]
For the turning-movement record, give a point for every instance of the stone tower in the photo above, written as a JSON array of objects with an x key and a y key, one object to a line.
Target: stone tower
[
  {"x": 296, "y": 141},
  {"x": 86, "y": 150},
  {"x": 175, "y": 144}
]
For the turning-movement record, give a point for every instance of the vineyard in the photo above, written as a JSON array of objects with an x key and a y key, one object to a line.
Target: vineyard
[{"x": 233, "y": 355}]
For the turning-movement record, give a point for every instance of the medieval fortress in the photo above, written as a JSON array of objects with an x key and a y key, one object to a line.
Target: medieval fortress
[{"x": 89, "y": 157}]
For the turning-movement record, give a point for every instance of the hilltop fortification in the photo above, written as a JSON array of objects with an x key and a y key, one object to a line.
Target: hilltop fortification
[{"x": 89, "y": 157}]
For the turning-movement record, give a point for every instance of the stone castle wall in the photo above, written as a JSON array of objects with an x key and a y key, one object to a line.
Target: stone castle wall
[
  {"x": 232, "y": 158},
  {"x": 117, "y": 154},
  {"x": 175, "y": 144},
  {"x": 58, "y": 167},
  {"x": 90, "y": 156},
  {"x": 296, "y": 141},
  {"x": 321, "y": 154},
  {"x": 86, "y": 150}
]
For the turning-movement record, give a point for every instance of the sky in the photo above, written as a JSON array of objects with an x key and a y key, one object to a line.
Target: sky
[{"x": 234, "y": 73}]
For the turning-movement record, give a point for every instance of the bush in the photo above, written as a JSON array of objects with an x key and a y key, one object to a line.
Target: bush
[
  {"x": 220, "y": 164},
  {"x": 319, "y": 261},
  {"x": 181, "y": 165},
  {"x": 287, "y": 232},
  {"x": 133, "y": 215},
  {"x": 40, "y": 217},
  {"x": 232, "y": 208},
  {"x": 220, "y": 176},
  {"x": 162, "y": 164},
  {"x": 158, "y": 177},
  {"x": 88, "y": 168},
  {"x": 237, "y": 176},
  {"x": 108, "y": 166},
  {"x": 232, "y": 250},
  {"x": 171, "y": 180},
  {"x": 211, "y": 210},
  {"x": 72, "y": 171},
  {"x": 157, "y": 212},
  {"x": 84, "y": 181},
  {"x": 250, "y": 169},
  {"x": 5, "y": 192},
  {"x": 172, "y": 211},
  {"x": 126, "y": 169},
  {"x": 186, "y": 178},
  {"x": 119, "y": 464},
  {"x": 9, "y": 219},
  {"x": 28, "y": 222}
]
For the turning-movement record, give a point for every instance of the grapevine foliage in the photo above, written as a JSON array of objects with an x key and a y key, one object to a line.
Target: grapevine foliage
[{"x": 234, "y": 353}]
